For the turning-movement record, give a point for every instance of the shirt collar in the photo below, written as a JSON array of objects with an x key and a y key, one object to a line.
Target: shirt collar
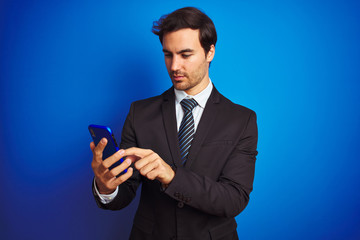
[{"x": 201, "y": 98}]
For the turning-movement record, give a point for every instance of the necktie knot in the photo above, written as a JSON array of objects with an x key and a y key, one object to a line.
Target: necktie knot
[{"x": 188, "y": 104}]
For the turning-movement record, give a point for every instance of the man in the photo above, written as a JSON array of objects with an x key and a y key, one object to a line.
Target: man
[{"x": 192, "y": 149}]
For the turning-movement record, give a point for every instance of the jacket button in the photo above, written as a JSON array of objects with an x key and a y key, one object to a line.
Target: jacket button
[{"x": 180, "y": 204}]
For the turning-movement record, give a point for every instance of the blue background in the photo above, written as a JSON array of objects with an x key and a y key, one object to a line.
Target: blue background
[{"x": 67, "y": 64}]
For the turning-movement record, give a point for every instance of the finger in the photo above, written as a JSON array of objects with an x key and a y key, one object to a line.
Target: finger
[
  {"x": 94, "y": 164},
  {"x": 146, "y": 160},
  {"x": 119, "y": 180},
  {"x": 102, "y": 166},
  {"x": 138, "y": 152},
  {"x": 98, "y": 150},
  {"x": 148, "y": 168},
  {"x": 92, "y": 146},
  {"x": 162, "y": 173},
  {"x": 107, "y": 163},
  {"x": 132, "y": 158},
  {"x": 119, "y": 169},
  {"x": 101, "y": 171},
  {"x": 113, "y": 158},
  {"x": 154, "y": 174}
]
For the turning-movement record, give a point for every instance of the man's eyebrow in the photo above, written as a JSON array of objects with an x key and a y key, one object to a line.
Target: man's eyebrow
[{"x": 187, "y": 50}]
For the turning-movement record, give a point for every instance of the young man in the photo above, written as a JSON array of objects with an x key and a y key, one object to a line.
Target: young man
[{"x": 192, "y": 149}]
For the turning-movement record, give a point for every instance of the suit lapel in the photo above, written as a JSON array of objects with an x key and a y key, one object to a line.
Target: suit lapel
[
  {"x": 169, "y": 118},
  {"x": 204, "y": 126}
]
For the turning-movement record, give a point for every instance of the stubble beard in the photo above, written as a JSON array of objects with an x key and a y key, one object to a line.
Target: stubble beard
[{"x": 189, "y": 82}]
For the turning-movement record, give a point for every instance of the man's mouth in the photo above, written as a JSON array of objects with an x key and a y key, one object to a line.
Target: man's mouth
[{"x": 178, "y": 77}]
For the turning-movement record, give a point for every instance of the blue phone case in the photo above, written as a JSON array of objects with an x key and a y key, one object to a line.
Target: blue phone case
[{"x": 98, "y": 132}]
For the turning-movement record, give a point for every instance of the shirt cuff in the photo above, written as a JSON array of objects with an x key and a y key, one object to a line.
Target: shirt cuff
[{"x": 106, "y": 198}]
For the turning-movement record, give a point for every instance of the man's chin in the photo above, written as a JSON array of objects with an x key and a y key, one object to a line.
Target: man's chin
[{"x": 180, "y": 85}]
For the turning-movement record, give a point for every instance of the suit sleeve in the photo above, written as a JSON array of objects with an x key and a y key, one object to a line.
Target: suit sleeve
[
  {"x": 127, "y": 190},
  {"x": 229, "y": 195}
]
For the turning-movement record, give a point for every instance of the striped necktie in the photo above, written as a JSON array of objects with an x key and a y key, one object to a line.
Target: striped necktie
[{"x": 186, "y": 130}]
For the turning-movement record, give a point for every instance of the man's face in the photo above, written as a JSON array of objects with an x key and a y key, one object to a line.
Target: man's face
[{"x": 185, "y": 60}]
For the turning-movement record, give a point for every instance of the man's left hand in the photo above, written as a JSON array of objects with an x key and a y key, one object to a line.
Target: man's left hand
[{"x": 150, "y": 164}]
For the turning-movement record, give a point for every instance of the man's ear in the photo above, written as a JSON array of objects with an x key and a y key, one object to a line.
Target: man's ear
[{"x": 211, "y": 53}]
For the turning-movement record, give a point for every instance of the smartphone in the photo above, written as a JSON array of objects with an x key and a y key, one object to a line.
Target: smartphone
[{"x": 98, "y": 132}]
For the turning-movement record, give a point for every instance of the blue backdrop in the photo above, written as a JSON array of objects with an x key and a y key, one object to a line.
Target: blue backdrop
[{"x": 66, "y": 64}]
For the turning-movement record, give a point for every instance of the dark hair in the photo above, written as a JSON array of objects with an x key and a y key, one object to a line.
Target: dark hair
[{"x": 188, "y": 17}]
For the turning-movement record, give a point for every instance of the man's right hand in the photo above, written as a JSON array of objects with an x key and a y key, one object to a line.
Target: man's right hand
[{"x": 106, "y": 180}]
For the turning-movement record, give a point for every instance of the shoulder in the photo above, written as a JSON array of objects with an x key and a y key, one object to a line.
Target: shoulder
[
  {"x": 230, "y": 107},
  {"x": 153, "y": 102}
]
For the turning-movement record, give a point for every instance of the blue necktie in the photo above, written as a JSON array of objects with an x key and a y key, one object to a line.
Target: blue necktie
[{"x": 186, "y": 130}]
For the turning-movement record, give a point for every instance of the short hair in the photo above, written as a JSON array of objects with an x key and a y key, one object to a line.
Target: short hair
[{"x": 187, "y": 17}]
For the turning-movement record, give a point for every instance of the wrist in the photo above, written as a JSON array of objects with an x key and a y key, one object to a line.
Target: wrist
[
  {"x": 102, "y": 189},
  {"x": 172, "y": 175}
]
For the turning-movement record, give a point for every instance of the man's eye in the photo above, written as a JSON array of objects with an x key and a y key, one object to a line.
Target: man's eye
[
  {"x": 186, "y": 55},
  {"x": 168, "y": 55}
]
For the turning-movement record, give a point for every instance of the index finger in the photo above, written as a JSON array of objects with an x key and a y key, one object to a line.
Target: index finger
[{"x": 138, "y": 152}]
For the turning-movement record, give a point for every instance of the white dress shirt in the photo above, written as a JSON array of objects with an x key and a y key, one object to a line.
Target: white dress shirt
[{"x": 201, "y": 98}]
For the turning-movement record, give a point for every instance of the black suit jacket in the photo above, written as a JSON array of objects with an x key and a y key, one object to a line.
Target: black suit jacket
[{"x": 210, "y": 189}]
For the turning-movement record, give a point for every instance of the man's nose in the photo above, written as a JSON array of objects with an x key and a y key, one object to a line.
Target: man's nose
[{"x": 175, "y": 64}]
